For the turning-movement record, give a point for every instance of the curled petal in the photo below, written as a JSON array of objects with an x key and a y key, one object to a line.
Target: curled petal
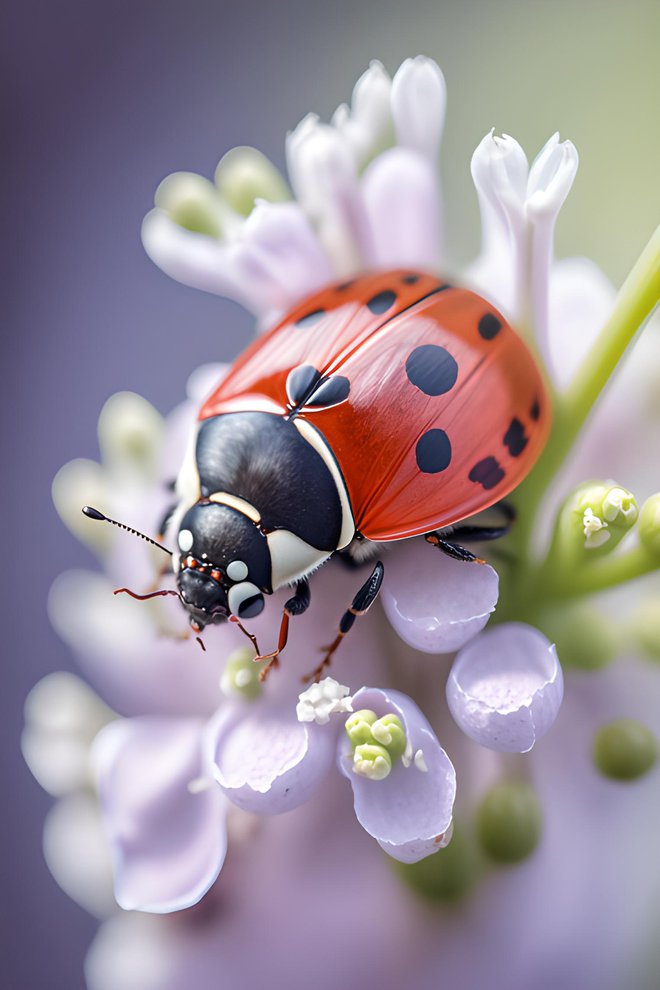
[
  {"x": 130, "y": 437},
  {"x": 550, "y": 178},
  {"x": 367, "y": 124},
  {"x": 419, "y": 98},
  {"x": 402, "y": 199},
  {"x": 408, "y": 812},
  {"x": 265, "y": 760},
  {"x": 324, "y": 176},
  {"x": 499, "y": 170},
  {"x": 77, "y": 853},
  {"x": 505, "y": 688},
  {"x": 168, "y": 838},
  {"x": 437, "y": 604}
]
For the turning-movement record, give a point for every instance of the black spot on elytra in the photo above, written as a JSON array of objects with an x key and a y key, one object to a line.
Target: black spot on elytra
[
  {"x": 489, "y": 326},
  {"x": 310, "y": 318},
  {"x": 381, "y": 302},
  {"x": 330, "y": 392},
  {"x": 300, "y": 382},
  {"x": 535, "y": 411},
  {"x": 487, "y": 473},
  {"x": 432, "y": 369},
  {"x": 514, "y": 438},
  {"x": 433, "y": 452},
  {"x": 410, "y": 279}
]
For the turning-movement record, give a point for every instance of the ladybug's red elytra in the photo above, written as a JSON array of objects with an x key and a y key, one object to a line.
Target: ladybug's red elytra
[{"x": 382, "y": 408}]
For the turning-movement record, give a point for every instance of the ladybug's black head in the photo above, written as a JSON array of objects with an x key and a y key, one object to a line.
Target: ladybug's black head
[{"x": 224, "y": 567}]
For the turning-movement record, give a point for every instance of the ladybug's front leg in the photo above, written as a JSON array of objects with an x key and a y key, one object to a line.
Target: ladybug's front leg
[
  {"x": 447, "y": 541},
  {"x": 362, "y": 602},
  {"x": 294, "y": 606}
]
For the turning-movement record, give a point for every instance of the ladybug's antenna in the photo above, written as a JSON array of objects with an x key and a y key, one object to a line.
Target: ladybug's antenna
[{"x": 92, "y": 513}]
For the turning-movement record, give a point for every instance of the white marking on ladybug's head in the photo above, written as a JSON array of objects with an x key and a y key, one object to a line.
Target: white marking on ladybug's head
[
  {"x": 245, "y": 600},
  {"x": 185, "y": 540},
  {"x": 237, "y": 570}
]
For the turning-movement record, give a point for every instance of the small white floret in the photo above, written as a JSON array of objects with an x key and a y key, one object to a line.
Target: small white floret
[
  {"x": 594, "y": 530},
  {"x": 420, "y": 762},
  {"x": 322, "y": 700}
]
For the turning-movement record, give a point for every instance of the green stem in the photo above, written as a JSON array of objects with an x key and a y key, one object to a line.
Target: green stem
[
  {"x": 635, "y": 302},
  {"x": 606, "y": 573}
]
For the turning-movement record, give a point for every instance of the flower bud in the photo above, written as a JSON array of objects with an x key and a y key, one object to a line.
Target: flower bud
[
  {"x": 244, "y": 175},
  {"x": 389, "y": 732},
  {"x": 625, "y": 749},
  {"x": 644, "y": 628},
  {"x": 593, "y": 521},
  {"x": 586, "y": 639},
  {"x": 192, "y": 202},
  {"x": 358, "y": 726},
  {"x": 447, "y": 875},
  {"x": 649, "y": 525},
  {"x": 509, "y": 821},
  {"x": 240, "y": 677},
  {"x": 372, "y": 761}
]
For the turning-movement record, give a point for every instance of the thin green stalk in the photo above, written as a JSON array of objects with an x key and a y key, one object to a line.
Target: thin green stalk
[{"x": 638, "y": 297}]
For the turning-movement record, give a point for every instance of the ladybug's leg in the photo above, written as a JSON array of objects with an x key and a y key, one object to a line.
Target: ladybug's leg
[
  {"x": 362, "y": 602},
  {"x": 294, "y": 606},
  {"x": 454, "y": 550}
]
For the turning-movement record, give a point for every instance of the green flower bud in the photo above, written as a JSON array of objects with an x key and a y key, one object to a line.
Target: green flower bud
[
  {"x": 586, "y": 639},
  {"x": 372, "y": 761},
  {"x": 192, "y": 202},
  {"x": 389, "y": 732},
  {"x": 509, "y": 821},
  {"x": 591, "y": 523},
  {"x": 447, "y": 875},
  {"x": 358, "y": 726},
  {"x": 644, "y": 627},
  {"x": 649, "y": 525},
  {"x": 240, "y": 677},
  {"x": 625, "y": 749},
  {"x": 244, "y": 175}
]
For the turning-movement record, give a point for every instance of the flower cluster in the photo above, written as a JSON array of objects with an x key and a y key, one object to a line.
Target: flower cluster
[{"x": 201, "y": 744}]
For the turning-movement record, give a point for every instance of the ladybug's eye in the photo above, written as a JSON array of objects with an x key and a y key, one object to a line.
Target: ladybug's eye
[{"x": 245, "y": 600}]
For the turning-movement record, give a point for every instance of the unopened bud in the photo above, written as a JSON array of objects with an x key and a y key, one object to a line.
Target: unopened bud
[
  {"x": 625, "y": 750},
  {"x": 649, "y": 525},
  {"x": 244, "y": 175},
  {"x": 509, "y": 821},
  {"x": 191, "y": 202},
  {"x": 372, "y": 761}
]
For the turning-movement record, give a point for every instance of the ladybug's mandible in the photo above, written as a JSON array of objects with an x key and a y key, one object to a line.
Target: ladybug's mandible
[{"x": 379, "y": 409}]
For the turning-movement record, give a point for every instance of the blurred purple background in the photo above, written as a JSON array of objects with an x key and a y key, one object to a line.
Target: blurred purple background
[{"x": 103, "y": 100}]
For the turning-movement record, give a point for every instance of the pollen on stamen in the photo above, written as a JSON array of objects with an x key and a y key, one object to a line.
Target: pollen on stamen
[{"x": 594, "y": 529}]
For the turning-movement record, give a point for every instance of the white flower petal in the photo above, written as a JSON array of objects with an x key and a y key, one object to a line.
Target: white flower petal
[
  {"x": 402, "y": 199},
  {"x": 550, "y": 178},
  {"x": 367, "y": 124},
  {"x": 62, "y": 717},
  {"x": 419, "y": 98},
  {"x": 581, "y": 299},
  {"x": 505, "y": 687},
  {"x": 77, "y": 852}
]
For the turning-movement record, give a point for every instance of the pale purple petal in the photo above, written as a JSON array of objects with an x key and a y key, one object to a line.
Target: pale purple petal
[
  {"x": 265, "y": 760},
  {"x": 436, "y": 604},
  {"x": 409, "y": 812},
  {"x": 402, "y": 198},
  {"x": 506, "y": 687},
  {"x": 419, "y": 98},
  {"x": 168, "y": 838},
  {"x": 278, "y": 258},
  {"x": 581, "y": 299},
  {"x": 323, "y": 174}
]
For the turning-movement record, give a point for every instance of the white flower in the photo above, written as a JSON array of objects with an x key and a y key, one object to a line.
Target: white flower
[{"x": 322, "y": 700}]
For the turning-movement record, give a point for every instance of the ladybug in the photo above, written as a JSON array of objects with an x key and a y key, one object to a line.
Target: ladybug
[{"x": 390, "y": 406}]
